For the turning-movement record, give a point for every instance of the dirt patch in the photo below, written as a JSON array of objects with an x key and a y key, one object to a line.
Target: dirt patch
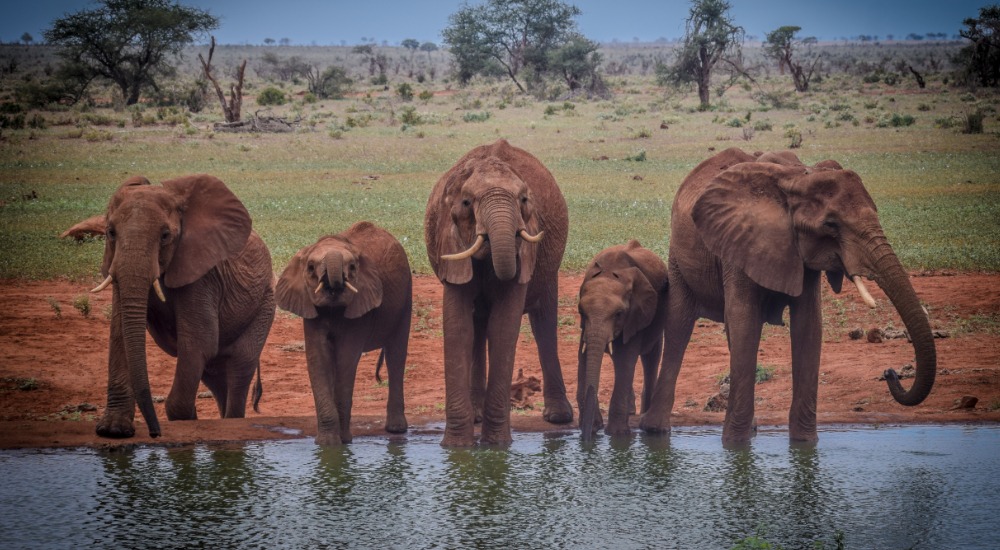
[{"x": 53, "y": 367}]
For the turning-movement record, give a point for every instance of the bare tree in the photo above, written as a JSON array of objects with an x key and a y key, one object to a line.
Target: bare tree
[{"x": 230, "y": 110}]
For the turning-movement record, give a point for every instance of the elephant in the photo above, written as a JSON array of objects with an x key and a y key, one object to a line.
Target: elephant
[
  {"x": 354, "y": 293},
  {"x": 495, "y": 231},
  {"x": 750, "y": 235},
  {"x": 622, "y": 306},
  {"x": 185, "y": 263}
]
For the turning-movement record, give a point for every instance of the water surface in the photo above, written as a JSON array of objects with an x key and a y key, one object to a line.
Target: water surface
[{"x": 907, "y": 487}]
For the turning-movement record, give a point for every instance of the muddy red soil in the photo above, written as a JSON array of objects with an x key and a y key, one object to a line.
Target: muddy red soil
[{"x": 53, "y": 368}]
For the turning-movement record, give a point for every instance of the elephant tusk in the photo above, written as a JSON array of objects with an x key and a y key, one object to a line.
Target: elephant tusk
[
  {"x": 319, "y": 287},
  {"x": 350, "y": 287},
  {"x": 159, "y": 290},
  {"x": 583, "y": 347},
  {"x": 864, "y": 291},
  {"x": 468, "y": 253},
  {"x": 103, "y": 285},
  {"x": 611, "y": 348},
  {"x": 524, "y": 235}
]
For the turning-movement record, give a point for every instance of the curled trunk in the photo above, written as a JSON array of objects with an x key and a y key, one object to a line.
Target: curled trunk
[
  {"x": 894, "y": 281},
  {"x": 501, "y": 223}
]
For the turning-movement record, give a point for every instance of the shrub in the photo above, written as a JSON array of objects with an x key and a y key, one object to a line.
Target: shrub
[
  {"x": 638, "y": 157},
  {"x": 82, "y": 304},
  {"x": 973, "y": 123},
  {"x": 795, "y": 136},
  {"x": 405, "y": 91},
  {"x": 410, "y": 116},
  {"x": 271, "y": 96},
  {"x": 762, "y": 126},
  {"x": 426, "y": 96},
  {"x": 477, "y": 117}
]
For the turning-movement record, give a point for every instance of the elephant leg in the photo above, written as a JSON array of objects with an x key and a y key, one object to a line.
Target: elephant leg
[
  {"x": 502, "y": 331},
  {"x": 806, "y": 329},
  {"x": 119, "y": 414},
  {"x": 395, "y": 360},
  {"x": 244, "y": 362},
  {"x": 744, "y": 321},
  {"x": 347, "y": 355},
  {"x": 677, "y": 334},
  {"x": 544, "y": 325},
  {"x": 321, "y": 367},
  {"x": 197, "y": 342},
  {"x": 650, "y": 362},
  {"x": 623, "y": 393},
  {"x": 478, "y": 372},
  {"x": 458, "y": 345},
  {"x": 215, "y": 379}
]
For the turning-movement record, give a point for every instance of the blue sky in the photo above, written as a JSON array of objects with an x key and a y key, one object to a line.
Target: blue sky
[{"x": 333, "y": 21}]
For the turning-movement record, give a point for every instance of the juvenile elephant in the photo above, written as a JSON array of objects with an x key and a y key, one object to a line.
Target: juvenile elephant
[
  {"x": 750, "y": 237},
  {"x": 495, "y": 231},
  {"x": 353, "y": 291},
  {"x": 184, "y": 263},
  {"x": 622, "y": 306}
]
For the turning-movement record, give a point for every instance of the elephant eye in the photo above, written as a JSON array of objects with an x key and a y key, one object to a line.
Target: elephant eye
[
  {"x": 112, "y": 233},
  {"x": 310, "y": 268},
  {"x": 466, "y": 203},
  {"x": 831, "y": 226},
  {"x": 165, "y": 236}
]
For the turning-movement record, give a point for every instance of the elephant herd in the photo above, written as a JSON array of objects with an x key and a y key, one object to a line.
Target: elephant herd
[{"x": 751, "y": 235}]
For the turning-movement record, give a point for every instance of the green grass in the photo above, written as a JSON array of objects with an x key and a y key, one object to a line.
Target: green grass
[{"x": 937, "y": 189}]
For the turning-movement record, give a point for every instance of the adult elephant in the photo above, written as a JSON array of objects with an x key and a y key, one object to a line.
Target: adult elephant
[
  {"x": 354, "y": 293},
  {"x": 622, "y": 307},
  {"x": 184, "y": 263},
  {"x": 495, "y": 231},
  {"x": 751, "y": 236}
]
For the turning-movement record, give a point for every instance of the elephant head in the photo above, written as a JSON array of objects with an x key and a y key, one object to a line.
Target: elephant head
[
  {"x": 332, "y": 273},
  {"x": 487, "y": 214},
  {"x": 174, "y": 233},
  {"x": 617, "y": 300},
  {"x": 775, "y": 218}
]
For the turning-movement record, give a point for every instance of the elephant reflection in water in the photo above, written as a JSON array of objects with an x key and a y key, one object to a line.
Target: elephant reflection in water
[{"x": 751, "y": 236}]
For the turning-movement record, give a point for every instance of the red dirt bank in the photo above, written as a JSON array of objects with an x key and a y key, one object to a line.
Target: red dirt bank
[{"x": 65, "y": 354}]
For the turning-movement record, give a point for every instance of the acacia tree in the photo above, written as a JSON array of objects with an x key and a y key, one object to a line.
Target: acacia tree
[
  {"x": 710, "y": 36},
  {"x": 576, "y": 62},
  {"x": 780, "y": 44},
  {"x": 129, "y": 42},
  {"x": 508, "y": 35},
  {"x": 981, "y": 58}
]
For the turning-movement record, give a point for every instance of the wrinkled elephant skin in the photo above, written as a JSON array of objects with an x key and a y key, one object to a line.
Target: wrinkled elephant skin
[
  {"x": 495, "y": 230},
  {"x": 353, "y": 291}
]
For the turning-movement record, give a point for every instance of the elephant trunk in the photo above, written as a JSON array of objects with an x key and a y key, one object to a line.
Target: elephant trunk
[
  {"x": 501, "y": 223},
  {"x": 132, "y": 294},
  {"x": 894, "y": 281},
  {"x": 591, "y": 357},
  {"x": 334, "y": 265}
]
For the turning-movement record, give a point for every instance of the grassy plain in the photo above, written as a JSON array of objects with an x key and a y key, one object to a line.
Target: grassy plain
[{"x": 618, "y": 161}]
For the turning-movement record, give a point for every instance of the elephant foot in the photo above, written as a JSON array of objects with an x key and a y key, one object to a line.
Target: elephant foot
[
  {"x": 618, "y": 428},
  {"x": 397, "y": 425},
  {"x": 736, "y": 435},
  {"x": 115, "y": 427},
  {"x": 558, "y": 410},
  {"x": 329, "y": 439},
  {"x": 497, "y": 438},
  {"x": 457, "y": 441},
  {"x": 654, "y": 425},
  {"x": 803, "y": 436}
]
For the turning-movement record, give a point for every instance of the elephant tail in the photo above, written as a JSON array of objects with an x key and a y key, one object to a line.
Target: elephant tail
[
  {"x": 378, "y": 366},
  {"x": 258, "y": 390}
]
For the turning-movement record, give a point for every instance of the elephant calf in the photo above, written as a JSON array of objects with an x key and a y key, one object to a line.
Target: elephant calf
[
  {"x": 622, "y": 312},
  {"x": 354, "y": 293}
]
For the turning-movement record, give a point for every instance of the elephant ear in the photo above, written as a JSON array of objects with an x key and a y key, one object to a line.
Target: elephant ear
[
  {"x": 642, "y": 304},
  {"x": 447, "y": 237},
  {"x": 369, "y": 285},
  {"x": 214, "y": 226},
  {"x": 290, "y": 292},
  {"x": 743, "y": 218}
]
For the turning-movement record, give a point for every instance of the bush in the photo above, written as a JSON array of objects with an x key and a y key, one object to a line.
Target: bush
[
  {"x": 426, "y": 96},
  {"x": 973, "y": 123},
  {"x": 405, "y": 91},
  {"x": 477, "y": 117},
  {"x": 271, "y": 96},
  {"x": 410, "y": 116}
]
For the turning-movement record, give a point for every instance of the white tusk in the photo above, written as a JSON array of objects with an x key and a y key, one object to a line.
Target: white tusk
[
  {"x": 583, "y": 347},
  {"x": 319, "y": 287},
  {"x": 350, "y": 287},
  {"x": 524, "y": 235},
  {"x": 864, "y": 291},
  {"x": 103, "y": 285},
  {"x": 611, "y": 348},
  {"x": 159, "y": 290},
  {"x": 468, "y": 253}
]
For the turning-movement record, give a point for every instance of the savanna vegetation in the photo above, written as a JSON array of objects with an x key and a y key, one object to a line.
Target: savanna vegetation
[{"x": 375, "y": 126}]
